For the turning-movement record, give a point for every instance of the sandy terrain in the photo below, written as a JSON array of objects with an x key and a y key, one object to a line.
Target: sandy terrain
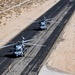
[
  {"x": 14, "y": 21},
  {"x": 63, "y": 55}
]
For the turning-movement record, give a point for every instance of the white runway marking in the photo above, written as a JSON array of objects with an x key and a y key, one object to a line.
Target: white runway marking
[{"x": 3, "y": 61}]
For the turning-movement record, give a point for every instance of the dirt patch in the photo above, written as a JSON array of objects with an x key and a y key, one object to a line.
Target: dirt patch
[{"x": 17, "y": 6}]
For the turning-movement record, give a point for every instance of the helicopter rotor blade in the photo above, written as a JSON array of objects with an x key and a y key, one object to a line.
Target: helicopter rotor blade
[
  {"x": 50, "y": 19},
  {"x": 7, "y": 45},
  {"x": 53, "y": 21},
  {"x": 25, "y": 41},
  {"x": 41, "y": 20},
  {"x": 34, "y": 44},
  {"x": 28, "y": 40}
]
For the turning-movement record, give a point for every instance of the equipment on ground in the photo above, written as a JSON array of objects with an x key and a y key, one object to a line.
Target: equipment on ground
[
  {"x": 44, "y": 22},
  {"x": 19, "y": 48}
]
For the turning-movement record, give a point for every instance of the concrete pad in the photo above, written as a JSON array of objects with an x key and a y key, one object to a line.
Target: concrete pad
[{"x": 45, "y": 71}]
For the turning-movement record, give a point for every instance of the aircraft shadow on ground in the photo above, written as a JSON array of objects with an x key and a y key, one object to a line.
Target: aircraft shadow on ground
[
  {"x": 10, "y": 56},
  {"x": 37, "y": 29}
]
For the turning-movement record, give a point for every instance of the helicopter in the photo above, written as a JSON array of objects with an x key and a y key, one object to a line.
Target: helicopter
[
  {"x": 19, "y": 48},
  {"x": 44, "y": 22}
]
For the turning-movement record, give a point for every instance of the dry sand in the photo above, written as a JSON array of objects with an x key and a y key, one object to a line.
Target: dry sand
[
  {"x": 63, "y": 51},
  {"x": 13, "y": 23}
]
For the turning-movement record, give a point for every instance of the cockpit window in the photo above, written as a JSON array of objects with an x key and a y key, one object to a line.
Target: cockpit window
[
  {"x": 42, "y": 23},
  {"x": 18, "y": 47}
]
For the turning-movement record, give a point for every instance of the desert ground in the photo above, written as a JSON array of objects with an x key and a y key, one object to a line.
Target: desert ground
[{"x": 14, "y": 19}]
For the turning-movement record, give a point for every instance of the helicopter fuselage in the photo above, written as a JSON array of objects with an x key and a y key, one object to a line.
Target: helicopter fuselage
[
  {"x": 19, "y": 50},
  {"x": 43, "y": 25}
]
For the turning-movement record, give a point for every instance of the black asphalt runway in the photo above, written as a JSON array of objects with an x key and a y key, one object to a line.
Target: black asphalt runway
[
  {"x": 34, "y": 65},
  {"x": 6, "y": 59}
]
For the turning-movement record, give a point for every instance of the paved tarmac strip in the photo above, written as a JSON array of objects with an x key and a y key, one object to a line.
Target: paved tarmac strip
[
  {"x": 19, "y": 37},
  {"x": 34, "y": 65},
  {"x": 46, "y": 70}
]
